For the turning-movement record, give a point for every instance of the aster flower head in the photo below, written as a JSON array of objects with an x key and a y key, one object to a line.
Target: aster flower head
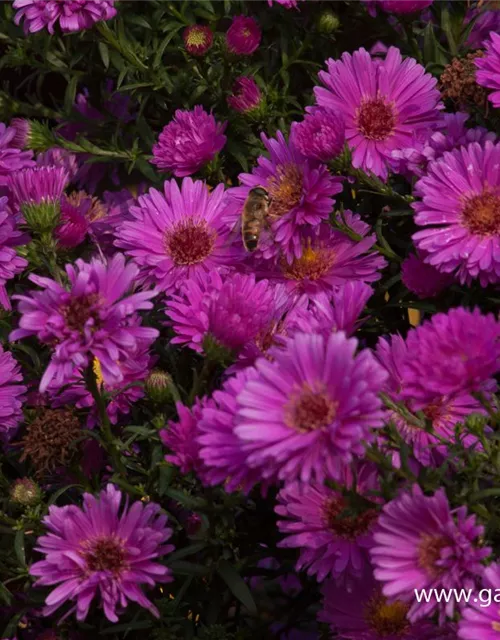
[
  {"x": 321, "y": 135},
  {"x": 332, "y": 537},
  {"x": 188, "y": 142},
  {"x": 310, "y": 410},
  {"x": 198, "y": 39},
  {"x": 102, "y": 550},
  {"x": 12, "y": 396},
  {"x": 22, "y": 128},
  {"x": 94, "y": 317},
  {"x": 73, "y": 223},
  {"x": 485, "y": 21},
  {"x": 420, "y": 543},
  {"x": 301, "y": 194},
  {"x": 386, "y": 102},
  {"x": 288, "y": 4},
  {"x": 174, "y": 236},
  {"x": 10, "y": 263},
  {"x": 480, "y": 619},
  {"x": 246, "y": 95},
  {"x": 243, "y": 36},
  {"x": 488, "y": 73},
  {"x": 74, "y": 15},
  {"x": 59, "y": 157},
  {"x": 404, "y": 6},
  {"x": 12, "y": 159},
  {"x": 422, "y": 279},
  {"x": 460, "y": 213}
]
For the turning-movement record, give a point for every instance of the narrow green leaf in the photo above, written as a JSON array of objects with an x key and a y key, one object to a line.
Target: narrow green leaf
[
  {"x": 5, "y": 594},
  {"x": 237, "y": 585},
  {"x": 183, "y": 568},
  {"x": 104, "y": 51},
  {"x": 186, "y": 551},
  {"x": 69, "y": 96},
  {"x": 129, "y": 626},
  {"x": 19, "y": 548}
]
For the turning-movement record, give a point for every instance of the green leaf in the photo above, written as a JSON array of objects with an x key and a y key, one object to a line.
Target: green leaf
[
  {"x": 104, "y": 51},
  {"x": 55, "y": 496},
  {"x": 183, "y": 568},
  {"x": 186, "y": 500},
  {"x": 69, "y": 96},
  {"x": 19, "y": 548},
  {"x": 129, "y": 626},
  {"x": 186, "y": 551},
  {"x": 5, "y": 594},
  {"x": 237, "y": 585}
]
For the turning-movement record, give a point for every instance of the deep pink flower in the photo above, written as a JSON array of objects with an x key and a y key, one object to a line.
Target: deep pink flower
[
  {"x": 384, "y": 103},
  {"x": 10, "y": 263},
  {"x": 481, "y": 617},
  {"x": 22, "y": 128},
  {"x": 422, "y": 279},
  {"x": 94, "y": 317},
  {"x": 485, "y": 21},
  {"x": 12, "y": 396},
  {"x": 488, "y": 73},
  {"x": 404, "y": 6},
  {"x": 58, "y": 157},
  {"x": 96, "y": 550},
  {"x": 12, "y": 159},
  {"x": 174, "y": 236},
  {"x": 188, "y": 142},
  {"x": 198, "y": 39},
  {"x": 420, "y": 543},
  {"x": 289, "y": 4},
  {"x": 321, "y": 135},
  {"x": 37, "y": 185},
  {"x": 72, "y": 15},
  {"x": 243, "y": 36},
  {"x": 246, "y": 95}
]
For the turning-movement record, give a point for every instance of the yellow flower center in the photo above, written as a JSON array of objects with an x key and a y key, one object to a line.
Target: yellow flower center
[
  {"x": 481, "y": 213},
  {"x": 96, "y": 368},
  {"x": 313, "y": 264},
  {"x": 196, "y": 38},
  {"x": 387, "y": 619},
  {"x": 285, "y": 189}
]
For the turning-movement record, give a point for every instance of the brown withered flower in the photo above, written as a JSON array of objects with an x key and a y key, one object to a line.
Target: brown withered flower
[{"x": 458, "y": 81}]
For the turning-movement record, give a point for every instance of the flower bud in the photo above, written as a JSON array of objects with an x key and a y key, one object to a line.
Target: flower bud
[
  {"x": 25, "y": 492},
  {"x": 328, "y": 22},
  {"x": 158, "y": 386}
]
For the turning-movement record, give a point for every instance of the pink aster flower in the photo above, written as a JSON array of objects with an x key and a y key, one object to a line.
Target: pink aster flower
[
  {"x": 95, "y": 316},
  {"x": 333, "y": 541},
  {"x": 301, "y": 195},
  {"x": 174, "y": 236},
  {"x": 12, "y": 159},
  {"x": 10, "y": 263},
  {"x": 246, "y": 95},
  {"x": 12, "y": 395},
  {"x": 231, "y": 309},
  {"x": 488, "y": 73},
  {"x": 190, "y": 141},
  {"x": 198, "y": 39},
  {"x": 310, "y": 410},
  {"x": 422, "y": 279},
  {"x": 37, "y": 185},
  {"x": 362, "y": 612},
  {"x": 243, "y": 36},
  {"x": 321, "y": 135},
  {"x": 384, "y": 103},
  {"x": 22, "y": 128},
  {"x": 289, "y": 4},
  {"x": 74, "y": 222},
  {"x": 420, "y": 543},
  {"x": 58, "y": 157},
  {"x": 403, "y": 6},
  {"x": 481, "y": 617},
  {"x": 485, "y": 21},
  {"x": 104, "y": 550},
  {"x": 460, "y": 213},
  {"x": 72, "y": 15}
]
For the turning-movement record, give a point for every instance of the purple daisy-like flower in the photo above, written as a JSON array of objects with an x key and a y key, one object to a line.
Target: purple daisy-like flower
[
  {"x": 422, "y": 279},
  {"x": 74, "y": 222},
  {"x": 12, "y": 395},
  {"x": 243, "y": 36},
  {"x": 232, "y": 309},
  {"x": 362, "y": 612},
  {"x": 458, "y": 352},
  {"x": 22, "y": 128},
  {"x": 403, "y": 6},
  {"x": 189, "y": 142},
  {"x": 488, "y": 73},
  {"x": 321, "y": 135},
  {"x": 420, "y": 543},
  {"x": 289, "y": 4},
  {"x": 104, "y": 550},
  {"x": 310, "y": 410},
  {"x": 72, "y": 15},
  {"x": 333, "y": 541},
  {"x": 95, "y": 317},
  {"x": 246, "y": 95},
  {"x": 460, "y": 213},
  {"x": 12, "y": 159},
  {"x": 10, "y": 263},
  {"x": 38, "y": 185},
  {"x": 301, "y": 194},
  {"x": 383, "y": 102},
  {"x": 174, "y": 236},
  {"x": 58, "y": 157},
  {"x": 480, "y": 618}
]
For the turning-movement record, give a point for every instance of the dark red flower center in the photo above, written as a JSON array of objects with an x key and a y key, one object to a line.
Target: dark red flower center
[
  {"x": 285, "y": 189},
  {"x": 376, "y": 119},
  {"x": 309, "y": 410},
  {"x": 106, "y": 553},
  {"x": 344, "y": 524},
  {"x": 190, "y": 242},
  {"x": 481, "y": 214},
  {"x": 429, "y": 552},
  {"x": 313, "y": 264},
  {"x": 386, "y": 619},
  {"x": 78, "y": 311}
]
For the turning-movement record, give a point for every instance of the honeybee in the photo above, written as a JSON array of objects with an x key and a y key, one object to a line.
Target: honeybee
[{"x": 254, "y": 217}]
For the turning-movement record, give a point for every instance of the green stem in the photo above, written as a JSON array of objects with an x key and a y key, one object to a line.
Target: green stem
[
  {"x": 387, "y": 252},
  {"x": 201, "y": 380}
]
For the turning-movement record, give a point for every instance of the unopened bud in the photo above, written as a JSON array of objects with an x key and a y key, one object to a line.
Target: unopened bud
[
  {"x": 25, "y": 492},
  {"x": 328, "y": 22},
  {"x": 158, "y": 386}
]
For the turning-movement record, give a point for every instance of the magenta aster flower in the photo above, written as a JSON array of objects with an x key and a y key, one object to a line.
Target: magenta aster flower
[
  {"x": 333, "y": 541},
  {"x": 362, "y": 612},
  {"x": 95, "y": 317},
  {"x": 12, "y": 395},
  {"x": 485, "y": 21},
  {"x": 321, "y": 135},
  {"x": 404, "y": 6},
  {"x": 58, "y": 157},
  {"x": 74, "y": 223},
  {"x": 37, "y": 185},
  {"x": 10, "y": 263},
  {"x": 311, "y": 409},
  {"x": 246, "y": 95},
  {"x": 460, "y": 213},
  {"x": 175, "y": 236},
  {"x": 72, "y": 15},
  {"x": 22, "y": 128},
  {"x": 420, "y": 543},
  {"x": 289, "y": 4},
  {"x": 188, "y": 142},
  {"x": 422, "y": 279},
  {"x": 480, "y": 618},
  {"x": 488, "y": 73},
  {"x": 232, "y": 309},
  {"x": 243, "y": 36},
  {"x": 458, "y": 351},
  {"x": 96, "y": 550},
  {"x": 12, "y": 159},
  {"x": 198, "y": 39},
  {"x": 301, "y": 195},
  {"x": 387, "y": 102}
]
